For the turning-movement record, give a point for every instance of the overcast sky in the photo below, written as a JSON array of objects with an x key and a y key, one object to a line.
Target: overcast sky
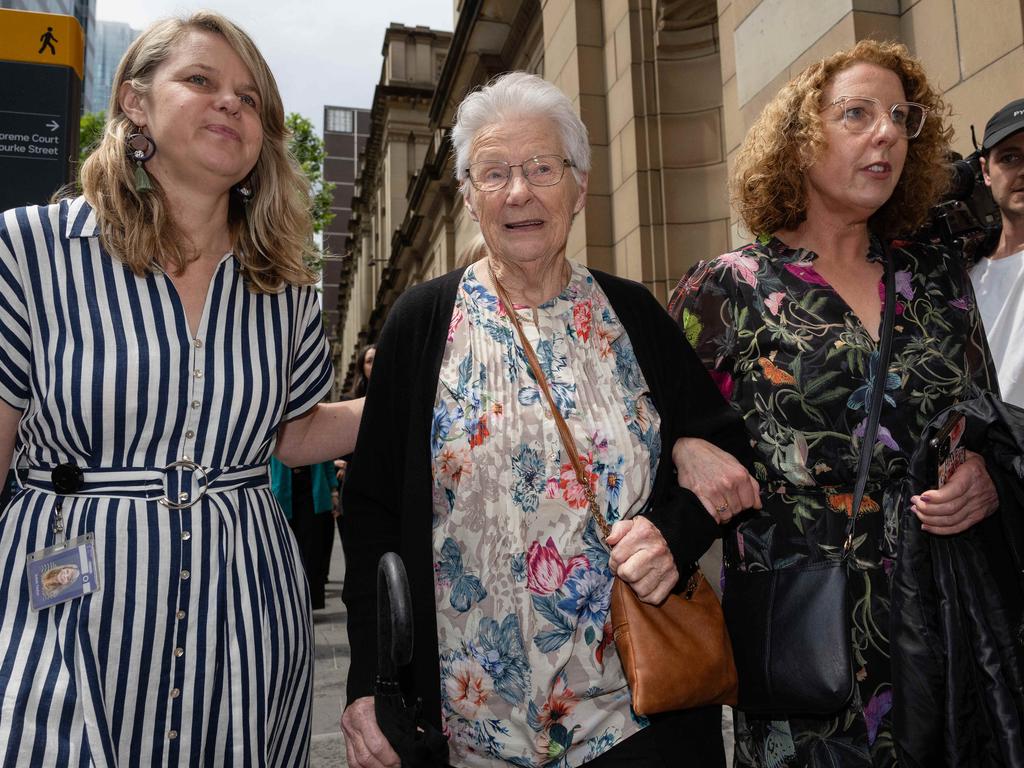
[{"x": 321, "y": 52}]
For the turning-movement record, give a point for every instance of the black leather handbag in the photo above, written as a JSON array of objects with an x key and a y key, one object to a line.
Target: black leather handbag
[{"x": 790, "y": 626}]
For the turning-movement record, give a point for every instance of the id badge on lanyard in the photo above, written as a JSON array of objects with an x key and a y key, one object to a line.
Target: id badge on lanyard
[
  {"x": 69, "y": 569},
  {"x": 63, "y": 572}
]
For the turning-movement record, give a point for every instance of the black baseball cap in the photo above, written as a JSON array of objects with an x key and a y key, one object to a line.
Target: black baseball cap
[{"x": 1006, "y": 122}]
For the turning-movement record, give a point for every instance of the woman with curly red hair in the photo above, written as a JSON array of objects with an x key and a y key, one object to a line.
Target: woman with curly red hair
[{"x": 847, "y": 157}]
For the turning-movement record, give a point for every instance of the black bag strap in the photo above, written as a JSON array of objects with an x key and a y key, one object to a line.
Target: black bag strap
[{"x": 867, "y": 445}]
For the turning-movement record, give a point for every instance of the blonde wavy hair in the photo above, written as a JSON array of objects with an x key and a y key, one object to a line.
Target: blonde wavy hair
[
  {"x": 767, "y": 184},
  {"x": 272, "y": 233}
]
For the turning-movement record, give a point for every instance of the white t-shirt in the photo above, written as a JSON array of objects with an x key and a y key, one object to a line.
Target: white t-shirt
[{"x": 999, "y": 286}]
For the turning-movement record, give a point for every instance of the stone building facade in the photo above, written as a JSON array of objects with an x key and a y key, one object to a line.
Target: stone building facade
[
  {"x": 392, "y": 158},
  {"x": 667, "y": 89}
]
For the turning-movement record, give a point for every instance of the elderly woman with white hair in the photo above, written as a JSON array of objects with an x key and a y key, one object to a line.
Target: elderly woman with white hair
[{"x": 460, "y": 468}]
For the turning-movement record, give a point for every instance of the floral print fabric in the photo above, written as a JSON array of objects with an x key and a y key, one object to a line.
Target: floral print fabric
[
  {"x": 795, "y": 361},
  {"x": 529, "y": 673}
]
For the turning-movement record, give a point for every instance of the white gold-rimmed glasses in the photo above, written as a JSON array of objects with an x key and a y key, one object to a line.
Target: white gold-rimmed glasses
[
  {"x": 540, "y": 171},
  {"x": 862, "y": 113}
]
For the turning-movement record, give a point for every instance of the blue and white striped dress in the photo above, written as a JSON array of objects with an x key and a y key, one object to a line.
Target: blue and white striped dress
[{"x": 197, "y": 650}]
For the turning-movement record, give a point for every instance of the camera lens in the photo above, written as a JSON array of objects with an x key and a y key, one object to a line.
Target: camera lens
[{"x": 961, "y": 180}]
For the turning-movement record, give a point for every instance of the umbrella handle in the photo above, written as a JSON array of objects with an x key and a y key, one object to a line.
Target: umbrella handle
[{"x": 394, "y": 616}]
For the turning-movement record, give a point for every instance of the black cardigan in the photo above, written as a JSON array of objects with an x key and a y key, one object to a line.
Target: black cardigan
[{"x": 387, "y": 495}]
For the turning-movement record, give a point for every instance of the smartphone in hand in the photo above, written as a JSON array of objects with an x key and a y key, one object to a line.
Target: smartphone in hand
[{"x": 945, "y": 448}]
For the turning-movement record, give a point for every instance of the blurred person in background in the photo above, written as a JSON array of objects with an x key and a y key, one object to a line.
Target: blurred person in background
[
  {"x": 999, "y": 278},
  {"x": 364, "y": 367},
  {"x": 308, "y": 496}
]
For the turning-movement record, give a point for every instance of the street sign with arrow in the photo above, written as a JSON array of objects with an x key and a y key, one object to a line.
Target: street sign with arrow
[{"x": 41, "y": 58}]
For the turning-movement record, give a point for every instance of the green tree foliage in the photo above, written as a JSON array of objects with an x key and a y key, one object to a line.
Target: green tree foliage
[
  {"x": 90, "y": 131},
  {"x": 308, "y": 149}
]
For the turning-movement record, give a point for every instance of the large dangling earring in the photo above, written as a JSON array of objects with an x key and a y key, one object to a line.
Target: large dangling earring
[
  {"x": 245, "y": 190},
  {"x": 140, "y": 149}
]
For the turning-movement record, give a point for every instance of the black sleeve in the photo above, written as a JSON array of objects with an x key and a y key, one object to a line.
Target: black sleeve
[
  {"x": 687, "y": 527},
  {"x": 691, "y": 406},
  {"x": 372, "y": 499}
]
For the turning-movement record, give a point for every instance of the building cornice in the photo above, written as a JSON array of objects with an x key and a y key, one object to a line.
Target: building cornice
[{"x": 456, "y": 54}]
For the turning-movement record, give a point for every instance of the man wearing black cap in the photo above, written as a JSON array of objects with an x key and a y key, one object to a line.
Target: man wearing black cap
[{"x": 999, "y": 279}]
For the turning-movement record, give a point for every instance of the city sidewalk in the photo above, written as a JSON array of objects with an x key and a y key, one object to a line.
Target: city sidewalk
[
  {"x": 332, "y": 660},
  {"x": 330, "y": 671}
]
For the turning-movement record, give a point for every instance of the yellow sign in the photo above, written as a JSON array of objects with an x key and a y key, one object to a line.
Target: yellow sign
[{"x": 42, "y": 38}]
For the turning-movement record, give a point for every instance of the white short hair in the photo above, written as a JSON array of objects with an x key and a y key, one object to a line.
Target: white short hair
[{"x": 516, "y": 96}]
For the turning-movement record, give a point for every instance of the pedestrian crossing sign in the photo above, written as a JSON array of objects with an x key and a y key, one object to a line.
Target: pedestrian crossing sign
[{"x": 42, "y": 38}]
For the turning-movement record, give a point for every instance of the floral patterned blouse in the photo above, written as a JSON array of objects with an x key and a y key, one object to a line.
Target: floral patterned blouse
[
  {"x": 796, "y": 362},
  {"x": 529, "y": 673}
]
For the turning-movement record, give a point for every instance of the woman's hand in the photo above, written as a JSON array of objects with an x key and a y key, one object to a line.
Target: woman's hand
[
  {"x": 967, "y": 498},
  {"x": 640, "y": 557},
  {"x": 723, "y": 485},
  {"x": 365, "y": 743}
]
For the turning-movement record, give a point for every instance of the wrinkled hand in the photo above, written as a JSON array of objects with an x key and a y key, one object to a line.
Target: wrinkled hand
[
  {"x": 365, "y": 744},
  {"x": 967, "y": 498},
  {"x": 640, "y": 557},
  {"x": 340, "y": 465},
  {"x": 723, "y": 485}
]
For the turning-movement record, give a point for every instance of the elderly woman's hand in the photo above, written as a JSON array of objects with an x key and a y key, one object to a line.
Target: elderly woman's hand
[
  {"x": 365, "y": 743},
  {"x": 967, "y": 498},
  {"x": 640, "y": 557},
  {"x": 723, "y": 485}
]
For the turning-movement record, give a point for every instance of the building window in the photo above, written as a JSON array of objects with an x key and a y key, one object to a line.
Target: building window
[{"x": 340, "y": 120}]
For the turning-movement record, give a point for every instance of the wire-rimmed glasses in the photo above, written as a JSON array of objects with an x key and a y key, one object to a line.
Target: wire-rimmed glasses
[
  {"x": 540, "y": 171},
  {"x": 862, "y": 113}
]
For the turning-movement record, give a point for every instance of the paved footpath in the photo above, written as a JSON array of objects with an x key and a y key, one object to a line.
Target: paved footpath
[
  {"x": 332, "y": 660},
  {"x": 330, "y": 671}
]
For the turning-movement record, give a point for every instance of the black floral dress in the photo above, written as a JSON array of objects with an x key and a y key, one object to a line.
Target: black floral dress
[{"x": 796, "y": 362}]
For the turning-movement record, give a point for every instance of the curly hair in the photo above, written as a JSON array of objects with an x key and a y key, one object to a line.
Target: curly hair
[
  {"x": 768, "y": 180},
  {"x": 272, "y": 234}
]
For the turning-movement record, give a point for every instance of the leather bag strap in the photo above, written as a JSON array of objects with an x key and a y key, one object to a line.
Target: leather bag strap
[
  {"x": 867, "y": 445},
  {"x": 568, "y": 442}
]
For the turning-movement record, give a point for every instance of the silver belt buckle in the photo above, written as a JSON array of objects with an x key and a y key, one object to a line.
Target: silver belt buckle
[{"x": 192, "y": 466}]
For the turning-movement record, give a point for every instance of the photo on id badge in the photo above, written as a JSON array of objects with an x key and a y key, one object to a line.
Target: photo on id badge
[{"x": 62, "y": 572}]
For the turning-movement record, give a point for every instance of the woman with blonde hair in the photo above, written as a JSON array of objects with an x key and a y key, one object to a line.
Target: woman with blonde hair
[
  {"x": 846, "y": 158},
  {"x": 58, "y": 578},
  {"x": 161, "y": 338}
]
